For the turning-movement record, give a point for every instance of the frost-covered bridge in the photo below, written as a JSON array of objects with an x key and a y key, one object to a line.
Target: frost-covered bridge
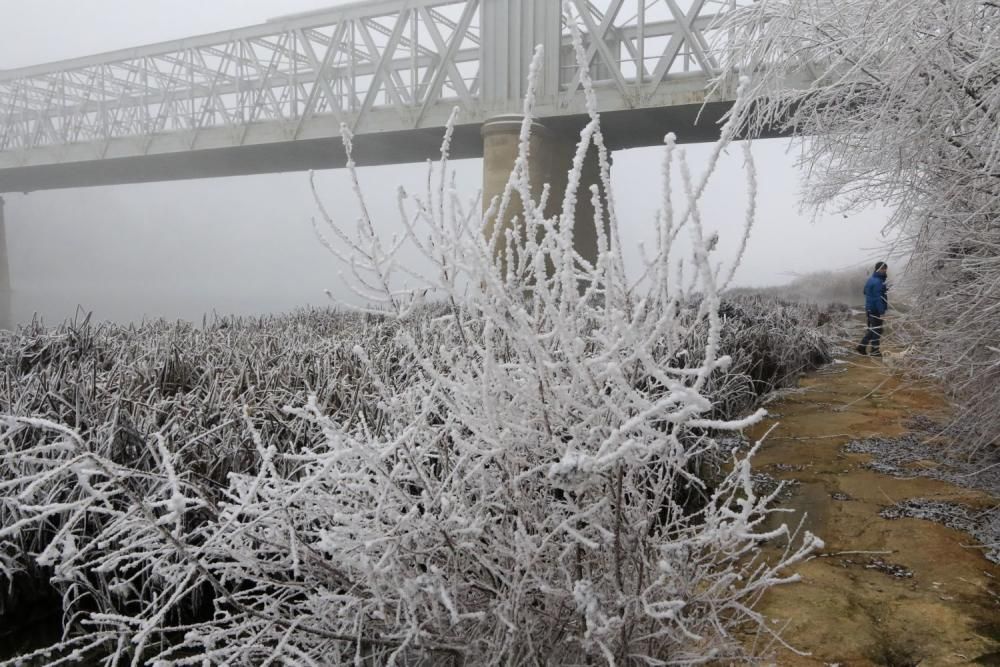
[{"x": 271, "y": 97}]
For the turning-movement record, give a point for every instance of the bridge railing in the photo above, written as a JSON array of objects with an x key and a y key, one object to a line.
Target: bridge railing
[
  {"x": 340, "y": 63},
  {"x": 405, "y": 59}
]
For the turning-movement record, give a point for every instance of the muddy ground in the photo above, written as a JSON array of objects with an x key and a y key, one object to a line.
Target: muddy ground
[{"x": 883, "y": 591}]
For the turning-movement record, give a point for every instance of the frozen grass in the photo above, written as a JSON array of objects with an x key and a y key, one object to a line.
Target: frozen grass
[
  {"x": 518, "y": 476},
  {"x": 201, "y": 390}
]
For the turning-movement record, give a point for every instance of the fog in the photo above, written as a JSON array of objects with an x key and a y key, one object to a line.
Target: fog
[{"x": 245, "y": 245}]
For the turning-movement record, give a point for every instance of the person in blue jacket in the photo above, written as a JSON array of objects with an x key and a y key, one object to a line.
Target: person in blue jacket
[{"x": 876, "y": 304}]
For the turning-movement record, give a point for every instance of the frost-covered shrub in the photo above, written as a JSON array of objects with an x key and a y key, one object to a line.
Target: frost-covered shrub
[
  {"x": 524, "y": 489},
  {"x": 772, "y": 342},
  {"x": 106, "y": 381}
]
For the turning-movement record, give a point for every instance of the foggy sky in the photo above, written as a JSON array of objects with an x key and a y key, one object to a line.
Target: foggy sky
[{"x": 245, "y": 244}]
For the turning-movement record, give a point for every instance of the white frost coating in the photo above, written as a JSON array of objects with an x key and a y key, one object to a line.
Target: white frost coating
[
  {"x": 523, "y": 482},
  {"x": 912, "y": 127}
]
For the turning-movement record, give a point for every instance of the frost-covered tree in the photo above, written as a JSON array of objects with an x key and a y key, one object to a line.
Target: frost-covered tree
[
  {"x": 899, "y": 101},
  {"x": 537, "y": 483}
]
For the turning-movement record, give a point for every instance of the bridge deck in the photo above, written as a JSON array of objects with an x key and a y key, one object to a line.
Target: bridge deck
[{"x": 271, "y": 97}]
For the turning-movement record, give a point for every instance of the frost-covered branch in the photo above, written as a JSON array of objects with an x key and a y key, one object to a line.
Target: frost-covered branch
[{"x": 528, "y": 474}]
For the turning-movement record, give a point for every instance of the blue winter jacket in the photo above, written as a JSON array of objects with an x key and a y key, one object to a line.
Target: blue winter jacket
[{"x": 875, "y": 295}]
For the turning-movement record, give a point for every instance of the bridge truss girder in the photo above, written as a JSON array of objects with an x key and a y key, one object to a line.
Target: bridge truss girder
[{"x": 388, "y": 66}]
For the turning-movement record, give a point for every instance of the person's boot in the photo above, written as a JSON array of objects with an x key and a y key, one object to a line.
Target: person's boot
[
  {"x": 862, "y": 349},
  {"x": 875, "y": 352}
]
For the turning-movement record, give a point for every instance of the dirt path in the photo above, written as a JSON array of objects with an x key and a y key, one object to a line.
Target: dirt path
[{"x": 859, "y": 608}]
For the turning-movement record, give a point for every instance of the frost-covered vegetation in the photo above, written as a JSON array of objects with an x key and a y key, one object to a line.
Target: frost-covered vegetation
[
  {"x": 822, "y": 287},
  {"x": 899, "y": 102},
  {"x": 208, "y": 393},
  {"x": 525, "y": 471}
]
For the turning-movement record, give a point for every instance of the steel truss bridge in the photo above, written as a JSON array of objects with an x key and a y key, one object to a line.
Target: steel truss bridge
[{"x": 272, "y": 97}]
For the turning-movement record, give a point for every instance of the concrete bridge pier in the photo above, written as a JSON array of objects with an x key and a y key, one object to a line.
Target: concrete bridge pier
[
  {"x": 550, "y": 159},
  {"x": 6, "y": 315}
]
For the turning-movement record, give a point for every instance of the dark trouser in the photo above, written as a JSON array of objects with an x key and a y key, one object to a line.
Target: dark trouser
[{"x": 874, "y": 333}]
